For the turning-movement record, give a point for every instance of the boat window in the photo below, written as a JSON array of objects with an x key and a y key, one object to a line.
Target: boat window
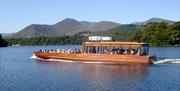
[
  {"x": 121, "y": 50},
  {"x": 144, "y": 50}
]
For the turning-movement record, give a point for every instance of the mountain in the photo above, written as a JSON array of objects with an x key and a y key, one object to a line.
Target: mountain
[
  {"x": 67, "y": 26},
  {"x": 71, "y": 27},
  {"x": 6, "y": 35},
  {"x": 104, "y": 25},
  {"x": 35, "y": 30},
  {"x": 154, "y": 19},
  {"x": 122, "y": 32}
]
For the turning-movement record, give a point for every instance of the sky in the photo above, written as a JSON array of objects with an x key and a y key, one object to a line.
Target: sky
[{"x": 17, "y": 14}]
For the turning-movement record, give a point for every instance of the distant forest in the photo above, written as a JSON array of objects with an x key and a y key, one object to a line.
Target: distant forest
[
  {"x": 45, "y": 40},
  {"x": 156, "y": 34},
  {"x": 3, "y": 43}
]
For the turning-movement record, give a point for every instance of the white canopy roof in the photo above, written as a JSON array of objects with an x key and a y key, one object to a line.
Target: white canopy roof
[{"x": 100, "y": 38}]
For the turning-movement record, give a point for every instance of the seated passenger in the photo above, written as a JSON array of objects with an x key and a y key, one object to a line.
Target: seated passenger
[
  {"x": 132, "y": 51},
  {"x": 127, "y": 51},
  {"x": 138, "y": 52},
  {"x": 121, "y": 51}
]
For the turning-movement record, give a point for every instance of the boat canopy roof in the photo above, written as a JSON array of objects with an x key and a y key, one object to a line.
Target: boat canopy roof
[{"x": 132, "y": 44}]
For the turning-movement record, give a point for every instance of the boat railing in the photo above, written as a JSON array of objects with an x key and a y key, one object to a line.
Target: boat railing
[
  {"x": 65, "y": 51},
  {"x": 114, "y": 51},
  {"x": 78, "y": 51}
]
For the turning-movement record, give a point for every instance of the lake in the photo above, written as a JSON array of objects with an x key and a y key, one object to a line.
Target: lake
[{"x": 18, "y": 72}]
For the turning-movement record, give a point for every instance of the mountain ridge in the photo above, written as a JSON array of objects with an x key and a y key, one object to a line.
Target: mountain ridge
[
  {"x": 153, "y": 19},
  {"x": 70, "y": 26}
]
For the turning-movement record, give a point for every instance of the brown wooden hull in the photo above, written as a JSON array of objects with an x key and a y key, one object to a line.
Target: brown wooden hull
[{"x": 96, "y": 57}]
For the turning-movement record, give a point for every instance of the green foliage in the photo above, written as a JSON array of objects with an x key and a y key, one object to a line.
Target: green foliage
[
  {"x": 136, "y": 35},
  {"x": 3, "y": 43},
  {"x": 45, "y": 40},
  {"x": 174, "y": 33},
  {"x": 161, "y": 34}
]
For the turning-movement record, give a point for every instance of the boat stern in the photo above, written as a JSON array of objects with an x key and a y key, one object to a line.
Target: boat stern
[{"x": 152, "y": 59}]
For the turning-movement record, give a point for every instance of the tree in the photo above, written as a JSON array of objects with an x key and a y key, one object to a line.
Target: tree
[
  {"x": 173, "y": 32},
  {"x": 3, "y": 43},
  {"x": 136, "y": 35},
  {"x": 148, "y": 31},
  {"x": 160, "y": 35}
]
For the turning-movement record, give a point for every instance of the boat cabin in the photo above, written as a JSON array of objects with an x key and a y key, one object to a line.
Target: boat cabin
[{"x": 104, "y": 45}]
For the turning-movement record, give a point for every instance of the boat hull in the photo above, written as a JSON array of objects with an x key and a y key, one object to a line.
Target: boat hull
[{"x": 96, "y": 57}]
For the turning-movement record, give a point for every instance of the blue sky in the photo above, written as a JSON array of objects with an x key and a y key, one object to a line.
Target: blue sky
[{"x": 17, "y": 14}]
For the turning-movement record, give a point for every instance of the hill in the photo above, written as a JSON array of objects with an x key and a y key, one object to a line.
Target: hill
[
  {"x": 67, "y": 26},
  {"x": 72, "y": 27},
  {"x": 120, "y": 33},
  {"x": 154, "y": 19}
]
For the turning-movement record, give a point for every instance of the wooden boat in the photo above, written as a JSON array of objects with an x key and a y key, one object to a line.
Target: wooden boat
[{"x": 103, "y": 51}]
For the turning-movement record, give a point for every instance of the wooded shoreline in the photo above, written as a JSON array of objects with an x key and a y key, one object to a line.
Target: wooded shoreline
[{"x": 155, "y": 34}]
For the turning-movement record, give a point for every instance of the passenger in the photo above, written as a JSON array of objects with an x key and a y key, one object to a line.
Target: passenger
[
  {"x": 138, "y": 52},
  {"x": 122, "y": 51},
  {"x": 53, "y": 51},
  {"x": 45, "y": 50},
  {"x": 128, "y": 51},
  {"x": 79, "y": 51},
  {"x": 63, "y": 51},
  {"x": 107, "y": 51},
  {"x": 68, "y": 51},
  {"x": 132, "y": 51},
  {"x": 93, "y": 50},
  {"x": 58, "y": 51},
  {"x": 115, "y": 51},
  {"x": 118, "y": 51},
  {"x": 112, "y": 51},
  {"x": 135, "y": 51}
]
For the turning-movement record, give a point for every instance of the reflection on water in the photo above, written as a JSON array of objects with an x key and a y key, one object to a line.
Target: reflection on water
[
  {"x": 102, "y": 77},
  {"x": 106, "y": 77}
]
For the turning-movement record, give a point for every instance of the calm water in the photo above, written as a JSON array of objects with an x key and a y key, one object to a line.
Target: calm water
[{"x": 20, "y": 73}]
